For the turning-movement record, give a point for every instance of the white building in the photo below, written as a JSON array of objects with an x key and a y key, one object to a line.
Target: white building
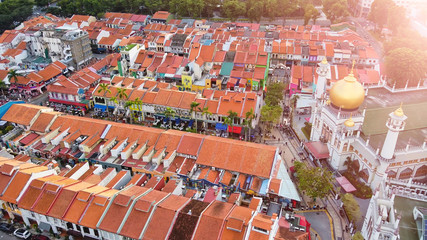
[{"x": 345, "y": 126}]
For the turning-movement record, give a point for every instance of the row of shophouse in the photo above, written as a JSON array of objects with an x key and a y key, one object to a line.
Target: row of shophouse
[{"x": 158, "y": 162}]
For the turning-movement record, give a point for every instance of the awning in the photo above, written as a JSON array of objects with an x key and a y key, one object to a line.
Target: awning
[
  {"x": 318, "y": 149},
  {"x": 102, "y": 107},
  {"x": 44, "y": 226},
  {"x": 2, "y": 123},
  {"x": 263, "y": 189},
  {"x": 29, "y": 138},
  {"x": 235, "y": 129},
  {"x": 220, "y": 126},
  {"x": 345, "y": 184},
  {"x": 67, "y": 102}
]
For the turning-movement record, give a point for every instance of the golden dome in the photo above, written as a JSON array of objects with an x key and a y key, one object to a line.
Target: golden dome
[
  {"x": 349, "y": 122},
  {"x": 325, "y": 61},
  {"x": 347, "y": 93},
  {"x": 399, "y": 112}
]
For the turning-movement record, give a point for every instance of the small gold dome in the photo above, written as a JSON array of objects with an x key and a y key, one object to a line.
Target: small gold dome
[
  {"x": 347, "y": 93},
  {"x": 399, "y": 112},
  {"x": 349, "y": 122},
  {"x": 325, "y": 61}
]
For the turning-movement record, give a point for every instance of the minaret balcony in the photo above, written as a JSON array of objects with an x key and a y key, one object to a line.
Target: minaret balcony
[{"x": 382, "y": 159}]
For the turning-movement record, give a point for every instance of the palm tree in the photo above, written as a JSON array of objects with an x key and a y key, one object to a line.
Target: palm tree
[
  {"x": 114, "y": 100},
  {"x": 103, "y": 87},
  {"x": 13, "y": 74},
  {"x": 138, "y": 104},
  {"x": 193, "y": 107},
  {"x": 169, "y": 113},
  {"x": 249, "y": 116},
  {"x": 121, "y": 95},
  {"x": 205, "y": 112},
  {"x": 348, "y": 162},
  {"x": 128, "y": 105},
  {"x": 2, "y": 86},
  {"x": 230, "y": 118}
]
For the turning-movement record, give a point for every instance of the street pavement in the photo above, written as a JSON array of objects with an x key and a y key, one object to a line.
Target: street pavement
[
  {"x": 291, "y": 150},
  {"x": 5, "y": 236},
  {"x": 321, "y": 223}
]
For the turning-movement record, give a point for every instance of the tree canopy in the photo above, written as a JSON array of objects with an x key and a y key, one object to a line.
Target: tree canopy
[
  {"x": 335, "y": 10},
  {"x": 13, "y": 12},
  {"x": 274, "y": 94},
  {"x": 405, "y": 66},
  {"x": 316, "y": 181},
  {"x": 351, "y": 207}
]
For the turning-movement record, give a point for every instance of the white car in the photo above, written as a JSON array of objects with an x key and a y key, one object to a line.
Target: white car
[{"x": 22, "y": 233}]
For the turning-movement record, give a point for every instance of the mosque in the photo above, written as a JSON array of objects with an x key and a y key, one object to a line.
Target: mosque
[{"x": 367, "y": 125}]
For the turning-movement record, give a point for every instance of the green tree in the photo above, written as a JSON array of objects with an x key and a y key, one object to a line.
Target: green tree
[
  {"x": 397, "y": 18},
  {"x": 249, "y": 117},
  {"x": 229, "y": 120},
  {"x": 169, "y": 113},
  {"x": 335, "y": 10},
  {"x": 270, "y": 115},
  {"x": 13, "y": 75},
  {"x": 128, "y": 105},
  {"x": 154, "y": 5},
  {"x": 310, "y": 12},
  {"x": 210, "y": 7},
  {"x": 232, "y": 9},
  {"x": 205, "y": 112},
  {"x": 103, "y": 87},
  {"x": 315, "y": 181},
  {"x": 274, "y": 94},
  {"x": 254, "y": 11},
  {"x": 2, "y": 87},
  {"x": 405, "y": 66},
  {"x": 379, "y": 12},
  {"x": 357, "y": 236},
  {"x": 138, "y": 104},
  {"x": 351, "y": 207},
  {"x": 193, "y": 108},
  {"x": 41, "y": 3}
]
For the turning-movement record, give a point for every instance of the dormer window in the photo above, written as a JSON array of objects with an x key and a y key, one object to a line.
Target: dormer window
[{"x": 260, "y": 230}]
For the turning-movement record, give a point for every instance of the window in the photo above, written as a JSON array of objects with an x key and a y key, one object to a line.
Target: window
[
  {"x": 86, "y": 230},
  {"x": 261, "y": 230}
]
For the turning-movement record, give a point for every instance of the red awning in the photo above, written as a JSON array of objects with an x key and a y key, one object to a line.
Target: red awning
[
  {"x": 318, "y": 149},
  {"x": 235, "y": 129},
  {"x": 29, "y": 138},
  {"x": 345, "y": 184},
  {"x": 68, "y": 103}
]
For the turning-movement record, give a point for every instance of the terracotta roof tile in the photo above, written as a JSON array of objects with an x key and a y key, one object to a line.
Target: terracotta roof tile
[
  {"x": 138, "y": 217},
  {"x": 94, "y": 209},
  {"x": 80, "y": 204},
  {"x": 116, "y": 212},
  {"x": 212, "y": 221},
  {"x": 166, "y": 212}
]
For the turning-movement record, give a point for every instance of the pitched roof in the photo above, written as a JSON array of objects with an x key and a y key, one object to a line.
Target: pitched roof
[
  {"x": 95, "y": 208},
  {"x": 22, "y": 113},
  {"x": 43, "y": 121},
  {"x": 212, "y": 221},
  {"x": 115, "y": 214},
  {"x": 187, "y": 220},
  {"x": 244, "y": 157},
  {"x": 236, "y": 223},
  {"x": 166, "y": 212},
  {"x": 81, "y": 204},
  {"x": 65, "y": 198},
  {"x": 139, "y": 215}
]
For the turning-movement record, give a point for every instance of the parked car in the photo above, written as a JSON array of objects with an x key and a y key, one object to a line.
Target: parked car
[
  {"x": 40, "y": 237},
  {"x": 22, "y": 233},
  {"x": 7, "y": 228}
]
